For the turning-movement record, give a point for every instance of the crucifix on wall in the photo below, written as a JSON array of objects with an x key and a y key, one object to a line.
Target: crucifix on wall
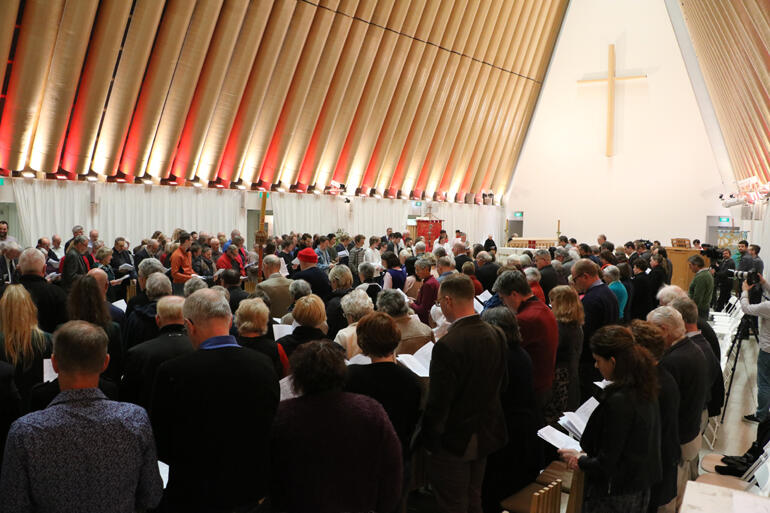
[{"x": 610, "y": 79}]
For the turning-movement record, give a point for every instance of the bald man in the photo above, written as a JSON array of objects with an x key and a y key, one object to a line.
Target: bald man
[
  {"x": 143, "y": 360},
  {"x": 102, "y": 279}
]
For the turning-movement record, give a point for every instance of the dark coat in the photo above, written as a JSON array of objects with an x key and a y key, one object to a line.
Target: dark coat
[
  {"x": 213, "y": 409},
  {"x": 460, "y": 260},
  {"x": 267, "y": 346},
  {"x": 351, "y": 461},
  {"x": 318, "y": 280},
  {"x": 657, "y": 279},
  {"x": 622, "y": 442},
  {"x": 10, "y": 401},
  {"x": 487, "y": 275},
  {"x": 548, "y": 280},
  {"x": 73, "y": 266},
  {"x": 715, "y": 396},
  {"x": 43, "y": 393},
  {"x": 27, "y": 376},
  {"x": 670, "y": 449},
  {"x": 299, "y": 336},
  {"x": 467, "y": 373},
  {"x": 140, "y": 325},
  {"x": 643, "y": 301},
  {"x": 50, "y": 300},
  {"x": 237, "y": 294},
  {"x": 685, "y": 362},
  {"x": 335, "y": 318},
  {"x": 143, "y": 360},
  {"x": 601, "y": 309}
]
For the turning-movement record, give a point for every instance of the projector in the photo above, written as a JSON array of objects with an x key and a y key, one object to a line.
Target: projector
[{"x": 733, "y": 202}]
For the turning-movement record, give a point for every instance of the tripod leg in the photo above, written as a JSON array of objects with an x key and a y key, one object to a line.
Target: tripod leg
[{"x": 737, "y": 341}]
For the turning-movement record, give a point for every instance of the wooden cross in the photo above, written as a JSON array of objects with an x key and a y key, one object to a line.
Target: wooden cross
[{"x": 610, "y": 79}]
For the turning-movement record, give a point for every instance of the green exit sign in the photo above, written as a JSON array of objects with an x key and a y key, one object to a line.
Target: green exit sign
[
  {"x": 518, "y": 214},
  {"x": 724, "y": 219},
  {"x": 418, "y": 203}
]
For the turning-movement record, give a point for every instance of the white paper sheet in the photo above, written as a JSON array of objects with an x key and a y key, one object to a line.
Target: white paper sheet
[
  {"x": 478, "y": 307},
  {"x": 48, "y": 373},
  {"x": 359, "y": 359},
  {"x": 125, "y": 277},
  {"x": 163, "y": 468},
  {"x": 414, "y": 365},
  {"x": 281, "y": 330},
  {"x": 424, "y": 354},
  {"x": 126, "y": 267},
  {"x": 285, "y": 385},
  {"x": 121, "y": 303},
  {"x": 558, "y": 439},
  {"x": 603, "y": 383},
  {"x": 484, "y": 296}
]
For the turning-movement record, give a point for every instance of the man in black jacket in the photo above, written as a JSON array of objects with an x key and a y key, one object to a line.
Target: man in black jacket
[
  {"x": 51, "y": 301},
  {"x": 486, "y": 270},
  {"x": 601, "y": 309},
  {"x": 548, "y": 277},
  {"x": 464, "y": 419},
  {"x": 140, "y": 323},
  {"x": 723, "y": 279},
  {"x": 231, "y": 280},
  {"x": 143, "y": 360},
  {"x": 685, "y": 362},
  {"x": 74, "y": 262},
  {"x": 460, "y": 253},
  {"x": 318, "y": 280},
  {"x": 212, "y": 411}
]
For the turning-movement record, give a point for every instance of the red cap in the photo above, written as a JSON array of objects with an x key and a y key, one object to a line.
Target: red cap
[{"x": 308, "y": 255}]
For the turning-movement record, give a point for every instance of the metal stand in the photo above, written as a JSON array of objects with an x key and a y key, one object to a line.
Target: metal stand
[{"x": 745, "y": 330}]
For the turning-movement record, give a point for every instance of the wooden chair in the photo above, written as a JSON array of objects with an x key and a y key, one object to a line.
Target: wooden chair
[
  {"x": 130, "y": 290},
  {"x": 680, "y": 243},
  {"x": 571, "y": 483},
  {"x": 535, "y": 499}
]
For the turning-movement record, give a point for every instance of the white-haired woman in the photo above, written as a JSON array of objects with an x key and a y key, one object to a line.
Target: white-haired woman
[{"x": 355, "y": 305}]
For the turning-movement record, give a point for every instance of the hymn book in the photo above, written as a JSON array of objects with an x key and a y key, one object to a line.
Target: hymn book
[
  {"x": 558, "y": 439},
  {"x": 419, "y": 362},
  {"x": 575, "y": 422}
]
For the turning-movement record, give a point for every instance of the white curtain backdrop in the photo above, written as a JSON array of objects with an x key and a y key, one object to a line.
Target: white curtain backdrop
[
  {"x": 320, "y": 213},
  {"x": 46, "y": 207},
  {"x": 478, "y": 221}
]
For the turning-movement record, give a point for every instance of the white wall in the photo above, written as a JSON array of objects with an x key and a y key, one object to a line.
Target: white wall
[{"x": 663, "y": 180}]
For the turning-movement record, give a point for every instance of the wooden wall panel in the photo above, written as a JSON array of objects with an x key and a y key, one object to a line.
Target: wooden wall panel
[
  {"x": 732, "y": 42},
  {"x": 375, "y": 97}
]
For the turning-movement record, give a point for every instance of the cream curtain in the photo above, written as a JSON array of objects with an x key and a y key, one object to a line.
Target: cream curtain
[
  {"x": 478, "y": 221},
  {"x": 133, "y": 211}
]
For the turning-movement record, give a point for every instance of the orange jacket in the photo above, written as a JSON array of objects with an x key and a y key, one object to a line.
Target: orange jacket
[{"x": 181, "y": 266}]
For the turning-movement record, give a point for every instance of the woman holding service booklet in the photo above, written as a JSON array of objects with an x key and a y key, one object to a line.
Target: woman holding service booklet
[{"x": 621, "y": 441}]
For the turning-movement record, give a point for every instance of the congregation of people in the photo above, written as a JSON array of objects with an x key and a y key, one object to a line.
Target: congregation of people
[{"x": 289, "y": 394}]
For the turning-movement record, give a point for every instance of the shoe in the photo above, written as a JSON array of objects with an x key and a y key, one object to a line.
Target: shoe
[
  {"x": 729, "y": 470},
  {"x": 751, "y": 418}
]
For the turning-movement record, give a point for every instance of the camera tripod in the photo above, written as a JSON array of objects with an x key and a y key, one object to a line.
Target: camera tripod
[{"x": 745, "y": 330}]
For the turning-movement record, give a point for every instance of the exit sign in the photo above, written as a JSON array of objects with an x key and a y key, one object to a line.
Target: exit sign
[
  {"x": 724, "y": 219},
  {"x": 418, "y": 203},
  {"x": 518, "y": 214}
]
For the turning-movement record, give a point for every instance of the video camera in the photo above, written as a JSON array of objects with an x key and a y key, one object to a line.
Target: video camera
[
  {"x": 712, "y": 252},
  {"x": 751, "y": 277}
]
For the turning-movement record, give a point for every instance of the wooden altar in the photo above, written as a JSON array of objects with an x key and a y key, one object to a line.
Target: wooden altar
[{"x": 530, "y": 243}]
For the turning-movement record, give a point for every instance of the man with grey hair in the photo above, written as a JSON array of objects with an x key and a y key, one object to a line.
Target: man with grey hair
[
  {"x": 563, "y": 255},
  {"x": 44, "y": 467},
  {"x": 143, "y": 360},
  {"x": 148, "y": 267},
  {"x": 150, "y": 250},
  {"x": 76, "y": 230},
  {"x": 428, "y": 293},
  {"x": 460, "y": 252},
  {"x": 192, "y": 285},
  {"x": 276, "y": 286},
  {"x": 548, "y": 277},
  {"x": 75, "y": 262},
  {"x": 201, "y": 402},
  {"x": 140, "y": 323},
  {"x": 666, "y": 295},
  {"x": 686, "y": 363},
  {"x": 51, "y": 300},
  {"x": 444, "y": 267},
  {"x": 486, "y": 270},
  {"x": 368, "y": 283}
]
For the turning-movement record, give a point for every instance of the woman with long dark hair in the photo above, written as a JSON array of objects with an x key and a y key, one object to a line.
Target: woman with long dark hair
[
  {"x": 87, "y": 303},
  {"x": 621, "y": 441}
]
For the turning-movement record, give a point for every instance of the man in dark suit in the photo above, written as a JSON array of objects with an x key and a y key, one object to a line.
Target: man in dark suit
[
  {"x": 685, "y": 362},
  {"x": 486, "y": 270},
  {"x": 644, "y": 299},
  {"x": 148, "y": 267},
  {"x": 148, "y": 251},
  {"x": 464, "y": 419},
  {"x": 601, "y": 309},
  {"x": 201, "y": 403},
  {"x": 8, "y": 262},
  {"x": 460, "y": 252},
  {"x": 140, "y": 323},
  {"x": 121, "y": 256},
  {"x": 116, "y": 314},
  {"x": 74, "y": 262},
  {"x": 51, "y": 301},
  {"x": 548, "y": 276},
  {"x": 143, "y": 360},
  {"x": 231, "y": 280}
]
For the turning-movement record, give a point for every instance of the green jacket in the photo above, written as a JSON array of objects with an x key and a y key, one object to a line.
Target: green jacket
[{"x": 701, "y": 290}]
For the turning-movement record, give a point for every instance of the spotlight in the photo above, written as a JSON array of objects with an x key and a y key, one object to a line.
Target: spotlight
[{"x": 28, "y": 174}]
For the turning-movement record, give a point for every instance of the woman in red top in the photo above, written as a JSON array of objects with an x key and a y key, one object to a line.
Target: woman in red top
[
  {"x": 231, "y": 259},
  {"x": 470, "y": 270},
  {"x": 533, "y": 279}
]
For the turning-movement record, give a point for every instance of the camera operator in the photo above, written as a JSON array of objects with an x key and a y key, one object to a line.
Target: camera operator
[
  {"x": 723, "y": 278},
  {"x": 761, "y": 310}
]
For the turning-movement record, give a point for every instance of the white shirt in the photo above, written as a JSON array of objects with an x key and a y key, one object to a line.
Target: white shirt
[
  {"x": 59, "y": 252},
  {"x": 373, "y": 257}
]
